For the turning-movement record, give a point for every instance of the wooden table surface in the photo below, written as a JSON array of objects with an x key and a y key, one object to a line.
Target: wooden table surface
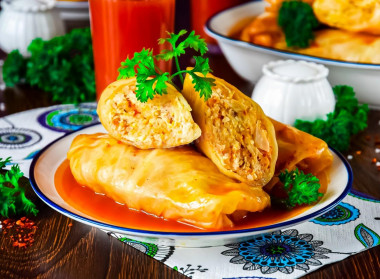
[{"x": 80, "y": 251}]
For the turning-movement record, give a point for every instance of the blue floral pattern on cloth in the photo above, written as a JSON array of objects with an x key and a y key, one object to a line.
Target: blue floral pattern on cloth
[
  {"x": 158, "y": 252},
  {"x": 17, "y": 138},
  {"x": 278, "y": 251},
  {"x": 69, "y": 118},
  {"x": 341, "y": 214},
  {"x": 369, "y": 238}
]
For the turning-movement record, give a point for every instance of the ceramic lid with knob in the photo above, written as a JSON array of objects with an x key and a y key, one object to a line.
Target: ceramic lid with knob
[
  {"x": 291, "y": 90},
  {"x": 295, "y": 71},
  {"x": 29, "y": 5}
]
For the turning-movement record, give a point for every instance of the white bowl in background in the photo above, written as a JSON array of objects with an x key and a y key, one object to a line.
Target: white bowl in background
[{"x": 247, "y": 59}]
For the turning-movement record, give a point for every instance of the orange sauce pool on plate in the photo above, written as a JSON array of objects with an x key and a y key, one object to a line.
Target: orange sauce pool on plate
[{"x": 108, "y": 211}]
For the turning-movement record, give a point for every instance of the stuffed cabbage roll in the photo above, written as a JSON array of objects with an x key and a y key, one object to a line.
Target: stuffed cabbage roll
[
  {"x": 264, "y": 29},
  {"x": 162, "y": 122},
  {"x": 297, "y": 149},
  {"x": 342, "y": 45},
  {"x": 236, "y": 134},
  {"x": 328, "y": 43},
  {"x": 353, "y": 15},
  {"x": 179, "y": 183}
]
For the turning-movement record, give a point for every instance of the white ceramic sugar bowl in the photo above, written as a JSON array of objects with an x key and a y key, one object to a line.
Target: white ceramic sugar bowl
[
  {"x": 291, "y": 90},
  {"x": 21, "y": 21}
]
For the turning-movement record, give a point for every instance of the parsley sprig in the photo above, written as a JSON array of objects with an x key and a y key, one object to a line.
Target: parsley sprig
[
  {"x": 300, "y": 189},
  {"x": 298, "y": 21},
  {"x": 151, "y": 80},
  {"x": 12, "y": 195},
  {"x": 348, "y": 118}
]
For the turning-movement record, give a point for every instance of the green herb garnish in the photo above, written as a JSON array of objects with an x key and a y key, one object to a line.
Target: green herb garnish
[
  {"x": 300, "y": 188},
  {"x": 14, "y": 69},
  {"x": 62, "y": 66},
  {"x": 298, "y": 21},
  {"x": 12, "y": 195},
  {"x": 152, "y": 81},
  {"x": 348, "y": 119}
]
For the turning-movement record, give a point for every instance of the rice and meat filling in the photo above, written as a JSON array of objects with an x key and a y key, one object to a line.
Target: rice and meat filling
[
  {"x": 129, "y": 116},
  {"x": 163, "y": 122},
  {"x": 240, "y": 141}
]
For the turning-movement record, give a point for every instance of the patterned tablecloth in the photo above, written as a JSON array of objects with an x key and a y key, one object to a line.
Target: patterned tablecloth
[{"x": 349, "y": 228}]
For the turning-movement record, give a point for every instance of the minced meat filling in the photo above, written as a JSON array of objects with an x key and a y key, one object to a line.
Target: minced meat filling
[
  {"x": 128, "y": 120},
  {"x": 235, "y": 137}
]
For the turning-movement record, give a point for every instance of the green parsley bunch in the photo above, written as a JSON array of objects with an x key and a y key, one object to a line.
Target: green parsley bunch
[
  {"x": 300, "y": 189},
  {"x": 298, "y": 21},
  {"x": 348, "y": 118},
  {"x": 62, "y": 66},
  {"x": 12, "y": 194}
]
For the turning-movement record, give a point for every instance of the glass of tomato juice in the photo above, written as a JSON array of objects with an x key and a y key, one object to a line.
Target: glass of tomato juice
[{"x": 122, "y": 27}]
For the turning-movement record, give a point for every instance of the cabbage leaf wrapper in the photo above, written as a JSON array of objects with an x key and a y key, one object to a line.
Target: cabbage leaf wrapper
[
  {"x": 178, "y": 184},
  {"x": 163, "y": 122},
  {"x": 353, "y": 15},
  {"x": 297, "y": 149},
  {"x": 236, "y": 134}
]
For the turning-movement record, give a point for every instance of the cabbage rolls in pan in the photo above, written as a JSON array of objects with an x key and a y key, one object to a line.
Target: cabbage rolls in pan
[
  {"x": 236, "y": 134},
  {"x": 179, "y": 183},
  {"x": 162, "y": 122}
]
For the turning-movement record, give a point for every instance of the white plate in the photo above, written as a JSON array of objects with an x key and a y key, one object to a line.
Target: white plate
[
  {"x": 247, "y": 59},
  {"x": 45, "y": 164}
]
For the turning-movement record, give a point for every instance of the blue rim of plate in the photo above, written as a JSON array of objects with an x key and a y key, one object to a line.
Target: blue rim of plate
[
  {"x": 289, "y": 54},
  {"x": 158, "y": 233}
]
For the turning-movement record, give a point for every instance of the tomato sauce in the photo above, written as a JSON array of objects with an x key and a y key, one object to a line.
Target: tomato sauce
[
  {"x": 107, "y": 210},
  {"x": 123, "y": 27}
]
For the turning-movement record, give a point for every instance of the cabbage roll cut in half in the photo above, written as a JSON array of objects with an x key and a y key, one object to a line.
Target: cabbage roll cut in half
[
  {"x": 236, "y": 134},
  {"x": 178, "y": 184},
  {"x": 162, "y": 122}
]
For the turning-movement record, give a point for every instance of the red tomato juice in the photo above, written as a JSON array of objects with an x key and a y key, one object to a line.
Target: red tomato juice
[{"x": 122, "y": 27}]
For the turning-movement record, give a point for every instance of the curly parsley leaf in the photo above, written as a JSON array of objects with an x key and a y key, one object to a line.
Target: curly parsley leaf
[
  {"x": 4, "y": 162},
  {"x": 201, "y": 65},
  {"x": 129, "y": 66},
  {"x": 300, "y": 188},
  {"x": 196, "y": 42},
  {"x": 14, "y": 69},
  {"x": 202, "y": 84},
  {"x": 12, "y": 195},
  {"x": 177, "y": 50},
  {"x": 348, "y": 119},
  {"x": 297, "y": 21},
  {"x": 152, "y": 81}
]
